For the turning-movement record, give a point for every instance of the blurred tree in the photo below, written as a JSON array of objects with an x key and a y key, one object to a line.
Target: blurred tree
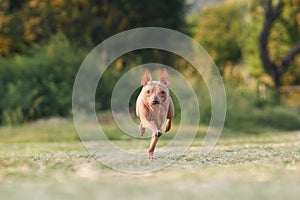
[
  {"x": 15, "y": 4},
  {"x": 84, "y": 22},
  {"x": 220, "y": 32},
  {"x": 39, "y": 84},
  {"x": 284, "y": 17},
  {"x": 44, "y": 43}
]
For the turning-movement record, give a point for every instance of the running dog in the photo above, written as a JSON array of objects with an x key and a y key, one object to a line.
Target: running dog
[{"x": 154, "y": 107}]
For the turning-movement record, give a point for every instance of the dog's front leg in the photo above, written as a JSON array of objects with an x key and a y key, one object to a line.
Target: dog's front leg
[
  {"x": 151, "y": 149},
  {"x": 155, "y": 136},
  {"x": 146, "y": 123},
  {"x": 168, "y": 125},
  {"x": 141, "y": 129}
]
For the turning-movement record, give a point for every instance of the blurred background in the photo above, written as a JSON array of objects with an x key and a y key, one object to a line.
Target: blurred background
[{"x": 254, "y": 43}]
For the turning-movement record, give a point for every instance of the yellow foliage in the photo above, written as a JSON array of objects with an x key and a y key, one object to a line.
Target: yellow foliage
[
  {"x": 298, "y": 19},
  {"x": 33, "y": 3},
  {"x": 4, "y": 45},
  {"x": 57, "y": 2},
  {"x": 37, "y": 4},
  {"x": 2, "y": 19},
  {"x": 30, "y": 26}
]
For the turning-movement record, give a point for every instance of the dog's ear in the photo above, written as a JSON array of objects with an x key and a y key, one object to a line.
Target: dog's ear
[
  {"x": 146, "y": 77},
  {"x": 164, "y": 77}
]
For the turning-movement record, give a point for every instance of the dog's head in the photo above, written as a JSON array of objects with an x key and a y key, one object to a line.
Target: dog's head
[{"x": 155, "y": 92}]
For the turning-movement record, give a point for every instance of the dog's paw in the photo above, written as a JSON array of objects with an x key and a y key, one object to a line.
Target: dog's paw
[
  {"x": 150, "y": 156},
  {"x": 158, "y": 134}
]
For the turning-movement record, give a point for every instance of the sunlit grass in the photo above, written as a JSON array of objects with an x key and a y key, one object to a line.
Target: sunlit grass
[{"x": 48, "y": 157}]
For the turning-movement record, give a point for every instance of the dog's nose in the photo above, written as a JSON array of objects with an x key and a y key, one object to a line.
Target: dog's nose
[{"x": 155, "y": 101}]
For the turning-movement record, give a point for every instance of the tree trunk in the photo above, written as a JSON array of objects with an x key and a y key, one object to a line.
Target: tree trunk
[
  {"x": 277, "y": 82},
  {"x": 274, "y": 70}
]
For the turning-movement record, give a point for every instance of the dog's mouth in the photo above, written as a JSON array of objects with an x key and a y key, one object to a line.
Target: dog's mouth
[{"x": 155, "y": 102}]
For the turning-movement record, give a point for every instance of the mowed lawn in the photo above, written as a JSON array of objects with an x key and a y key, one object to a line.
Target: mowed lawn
[{"x": 45, "y": 160}]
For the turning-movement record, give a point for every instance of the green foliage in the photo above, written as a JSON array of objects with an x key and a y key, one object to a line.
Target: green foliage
[
  {"x": 230, "y": 31},
  {"x": 36, "y": 79},
  {"x": 84, "y": 22},
  {"x": 40, "y": 63},
  {"x": 278, "y": 117},
  {"x": 247, "y": 112},
  {"x": 250, "y": 50},
  {"x": 12, "y": 117},
  {"x": 40, "y": 83},
  {"x": 284, "y": 34},
  {"x": 220, "y": 31}
]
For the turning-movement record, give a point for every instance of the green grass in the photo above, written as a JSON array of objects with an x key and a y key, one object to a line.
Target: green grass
[
  {"x": 45, "y": 160},
  {"x": 46, "y": 130}
]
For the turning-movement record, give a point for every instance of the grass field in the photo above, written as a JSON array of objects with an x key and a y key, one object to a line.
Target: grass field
[{"x": 45, "y": 160}]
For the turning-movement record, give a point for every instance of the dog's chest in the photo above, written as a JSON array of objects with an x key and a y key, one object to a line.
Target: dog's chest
[{"x": 158, "y": 114}]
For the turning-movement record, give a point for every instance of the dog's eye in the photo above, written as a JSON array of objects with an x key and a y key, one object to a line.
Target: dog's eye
[
  {"x": 163, "y": 92},
  {"x": 148, "y": 91}
]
